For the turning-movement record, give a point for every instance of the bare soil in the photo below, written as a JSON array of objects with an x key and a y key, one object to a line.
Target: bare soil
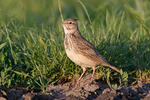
[{"x": 85, "y": 91}]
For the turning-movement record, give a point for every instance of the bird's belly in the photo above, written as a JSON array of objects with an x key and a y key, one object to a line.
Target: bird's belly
[{"x": 79, "y": 59}]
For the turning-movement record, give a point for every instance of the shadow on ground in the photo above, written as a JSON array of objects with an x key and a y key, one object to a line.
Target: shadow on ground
[{"x": 86, "y": 90}]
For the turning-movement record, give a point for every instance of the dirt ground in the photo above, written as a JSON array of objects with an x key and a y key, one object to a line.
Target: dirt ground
[{"x": 85, "y": 91}]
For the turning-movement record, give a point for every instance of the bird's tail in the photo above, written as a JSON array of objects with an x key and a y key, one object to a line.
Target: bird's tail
[{"x": 112, "y": 67}]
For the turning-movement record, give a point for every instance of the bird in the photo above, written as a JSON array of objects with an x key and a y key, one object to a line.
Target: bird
[{"x": 81, "y": 51}]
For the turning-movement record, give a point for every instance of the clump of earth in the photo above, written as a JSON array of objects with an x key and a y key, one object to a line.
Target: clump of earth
[{"x": 84, "y": 91}]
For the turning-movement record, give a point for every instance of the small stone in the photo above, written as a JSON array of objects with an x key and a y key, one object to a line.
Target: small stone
[
  {"x": 106, "y": 90},
  {"x": 28, "y": 96},
  {"x": 3, "y": 93},
  {"x": 2, "y": 98}
]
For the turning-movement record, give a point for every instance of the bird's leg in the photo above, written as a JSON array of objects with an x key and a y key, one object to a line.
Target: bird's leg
[
  {"x": 83, "y": 69},
  {"x": 92, "y": 79}
]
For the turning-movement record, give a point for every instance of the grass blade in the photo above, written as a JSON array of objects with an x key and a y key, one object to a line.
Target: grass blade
[{"x": 3, "y": 45}]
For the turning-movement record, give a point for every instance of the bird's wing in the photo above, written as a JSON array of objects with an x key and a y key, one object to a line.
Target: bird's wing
[{"x": 87, "y": 49}]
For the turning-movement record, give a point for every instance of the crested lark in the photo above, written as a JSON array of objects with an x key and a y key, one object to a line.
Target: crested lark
[{"x": 79, "y": 50}]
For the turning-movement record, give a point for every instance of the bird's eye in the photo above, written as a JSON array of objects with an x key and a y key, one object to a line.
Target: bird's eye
[{"x": 70, "y": 22}]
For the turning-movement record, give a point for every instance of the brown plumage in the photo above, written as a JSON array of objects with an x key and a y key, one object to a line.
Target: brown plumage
[{"x": 79, "y": 50}]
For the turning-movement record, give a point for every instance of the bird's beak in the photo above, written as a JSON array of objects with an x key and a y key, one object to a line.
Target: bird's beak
[{"x": 62, "y": 23}]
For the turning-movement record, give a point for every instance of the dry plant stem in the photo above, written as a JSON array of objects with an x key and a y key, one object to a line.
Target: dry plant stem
[{"x": 60, "y": 10}]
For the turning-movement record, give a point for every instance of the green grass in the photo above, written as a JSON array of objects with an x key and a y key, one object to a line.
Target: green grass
[{"x": 31, "y": 40}]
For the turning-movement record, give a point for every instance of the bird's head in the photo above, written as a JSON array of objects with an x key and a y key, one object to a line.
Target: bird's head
[{"x": 70, "y": 25}]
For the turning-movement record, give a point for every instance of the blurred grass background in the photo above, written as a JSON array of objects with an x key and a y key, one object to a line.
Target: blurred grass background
[{"x": 31, "y": 40}]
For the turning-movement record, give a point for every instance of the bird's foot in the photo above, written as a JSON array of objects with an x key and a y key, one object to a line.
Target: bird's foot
[
  {"x": 92, "y": 81},
  {"x": 77, "y": 84}
]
